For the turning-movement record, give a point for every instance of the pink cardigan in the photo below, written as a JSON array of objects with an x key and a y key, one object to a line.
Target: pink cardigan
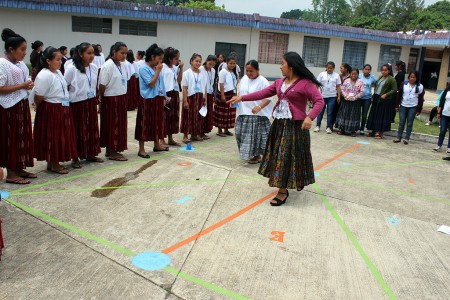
[{"x": 297, "y": 98}]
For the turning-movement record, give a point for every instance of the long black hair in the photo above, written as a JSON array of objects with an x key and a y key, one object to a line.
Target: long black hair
[
  {"x": 210, "y": 57},
  {"x": 36, "y": 45},
  {"x": 295, "y": 61},
  {"x": 401, "y": 64},
  {"x": 153, "y": 50},
  {"x": 169, "y": 54},
  {"x": 368, "y": 65},
  {"x": 415, "y": 72},
  {"x": 96, "y": 52},
  {"x": 49, "y": 53},
  {"x": 347, "y": 67},
  {"x": 12, "y": 40},
  {"x": 77, "y": 59},
  {"x": 389, "y": 67},
  {"x": 115, "y": 48},
  {"x": 141, "y": 54},
  {"x": 253, "y": 63},
  {"x": 130, "y": 56},
  {"x": 232, "y": 57}
]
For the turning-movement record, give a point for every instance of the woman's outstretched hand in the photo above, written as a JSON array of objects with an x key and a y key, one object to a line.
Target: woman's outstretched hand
[{"x": 234, "y": 100}]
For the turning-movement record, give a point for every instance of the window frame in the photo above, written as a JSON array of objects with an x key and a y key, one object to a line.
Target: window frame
[
  {"x": 267, "y": 39},
  {"x": 139, "y": 27},
  {"x": 89, "y": 25}
]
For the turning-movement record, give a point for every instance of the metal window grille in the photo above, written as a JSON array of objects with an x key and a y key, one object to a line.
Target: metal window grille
[
  {"x": 89, "y": 24},
  {"x": 272, "y": 47},
  {"x": 315, "y": 51},
  {"x": 354, "y": 54},
  {"x": 143, "y": 28},
  {"x": 388, "y": 55},
  {"x": 413, "y": 59}
]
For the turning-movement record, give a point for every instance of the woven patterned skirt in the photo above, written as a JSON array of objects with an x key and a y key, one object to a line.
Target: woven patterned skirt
[
  {"x": 380, "y": 115},
  {"x": 85, "y": 119},
  {"x": 114, "y": 123},
  {"x": 224, "y": 115},
  {"x": 172, "y": 113},
  {"x": 209, "y": 119},
  {"x": 16, "y": 138},
  {"x": 287, "y": 161},
  {"x": 54, "y": 133},
  {"x": 133, "y": 93},
  {"x": 252, "y": 133},
  {"x": 150, "y": 124},
  {"x": 349, "y": 116},
  {"x": 191, "y": 120}
]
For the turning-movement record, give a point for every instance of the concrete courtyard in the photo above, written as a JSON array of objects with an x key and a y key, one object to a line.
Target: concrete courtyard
[{"x": 366, "y": 230}]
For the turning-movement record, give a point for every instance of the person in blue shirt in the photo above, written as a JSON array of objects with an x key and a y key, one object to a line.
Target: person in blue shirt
[{"x": 369, "y": 82}]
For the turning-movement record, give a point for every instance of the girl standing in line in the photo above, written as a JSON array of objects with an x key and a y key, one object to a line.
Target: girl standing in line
[
  {"x": 35, "y": 58},
  {"x": 16, "y": 138},
  {"x": 380, "y": 112},
  {"x": 369, "y": 82},
  {"x": 150, "y": 124},
  {"x": 224, "y": 115},
  {"x": 132, "y": 89},
  {"x": 345, "y": 73},
  {"x": 82, "y": 77},
  {"x": 444, "y": 116},
  {"x": 194, "y": 89},
  {"x": 253, "y": 122},
  {"x": 209, "y": 73},
  {"x": 172, "y": 72},
  {"x": 54, "y": 132},
  {"x": 287, "y": 161},
  {"x": 400, "y": 68},
  {"x": 409, "y": 105},
  {"x": 113, "y": 103},
  {"x": 331, "y": 93},
  {"x": 140, "y": 59},
  {"x": 349, "y": 115}
]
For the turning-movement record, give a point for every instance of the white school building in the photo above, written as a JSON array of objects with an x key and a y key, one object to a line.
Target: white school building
[{"x": 70, "y": 22}]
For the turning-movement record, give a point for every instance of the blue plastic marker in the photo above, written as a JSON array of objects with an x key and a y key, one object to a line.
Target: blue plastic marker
[
  {"x": 346, "y": 164},
  {"x": 394, "y": 221},
  {"x": 151, "y": 261},
  {"x": 184, "y": 200},
  {"x": 236, "y": 105},
  {"x": 4, "y": 194},
  {"x": 363, "y": 143},
  {"x": 316, "y": 174}
]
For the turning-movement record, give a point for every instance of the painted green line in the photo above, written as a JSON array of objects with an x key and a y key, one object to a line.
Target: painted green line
[
  {"x": 355, "y": 243},
  {"x": 99, "y": 240},
  {"x": 137, "y": 186},
  {"x": 380, "y": 188},
  {"x": 205, "y": 284}
]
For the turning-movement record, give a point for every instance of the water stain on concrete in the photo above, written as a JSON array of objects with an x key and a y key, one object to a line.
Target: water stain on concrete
[{"x": 108, "y": 188}]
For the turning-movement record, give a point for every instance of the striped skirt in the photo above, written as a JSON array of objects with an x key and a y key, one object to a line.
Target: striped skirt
[
  {"x": 349, "y": 116},
  {"x": 54, "y": 133},
  {"x": 16, "y": 137},
  {"x": 380, "y": 115},
  {"x": 287, "y": 161},
  {"x": 114, "y": 123},
  {"x": 86, "y": 127},
  {"x": 133, "y": 93},
  {"x": 191, "y": 120},
  {"x": 208, "y": 121},
  {"x": 252, "y": 133},
  {"x": 224, "y": 115},
  {"x": 172, "y": 113},
  {"x": 150, "y": 124}
]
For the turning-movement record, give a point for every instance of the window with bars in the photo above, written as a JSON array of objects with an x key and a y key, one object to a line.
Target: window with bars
[
  {"x": 89, "y": 24},
  {"x": 354, "y": 54},
  {"x": 389, "y": 55},
  {"x": 133, "y": 27},
  {"x": 315, "y": 51},
  {"x": 413, "y": 58},
  {"x": 272, "y": 47}
]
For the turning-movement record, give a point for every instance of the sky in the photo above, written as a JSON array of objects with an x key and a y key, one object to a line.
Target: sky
[{"x": 271, "y": 8}]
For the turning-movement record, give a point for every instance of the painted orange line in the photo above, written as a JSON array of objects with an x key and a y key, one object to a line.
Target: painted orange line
[
  {"x": 246, "y": 209},
  {"x": 356, "y": 146}
]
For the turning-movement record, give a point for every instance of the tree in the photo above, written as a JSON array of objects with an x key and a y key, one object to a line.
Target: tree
[
  {"x": 369, "y": 8},
  {"x": 434, "y": 17},
  {"x": 298, "y": 14},
  {"x": 206, "y": 5},
  {"x": 368, "y": 22},
  {"x": 401, "y": 13},
  {"x": 332, "y": 11}
]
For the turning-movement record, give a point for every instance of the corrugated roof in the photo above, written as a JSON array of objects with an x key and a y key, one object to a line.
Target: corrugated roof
[{"x": 107, "y": 8}]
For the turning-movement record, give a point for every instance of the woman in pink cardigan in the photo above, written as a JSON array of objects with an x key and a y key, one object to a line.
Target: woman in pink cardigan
[{"x": 287, "y": 161}]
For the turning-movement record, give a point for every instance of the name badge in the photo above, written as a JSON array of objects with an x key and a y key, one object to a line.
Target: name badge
[
  {"x": 197, "y": 89},
  {"x": 124, "y": 81},
  {"x": 160, "y": 92},
  {"x": 90, "y": 94},
  {"x": 236, "y": 105},
  {"x": 65, "y": 102},
  {"x": 351, "y": 94}
]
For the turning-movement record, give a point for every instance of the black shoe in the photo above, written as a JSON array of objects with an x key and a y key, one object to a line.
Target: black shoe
[
  {"x": 160, "y": 150},
  {"x": 144, "y": 156},
  {"x": 280, "y": 202}
]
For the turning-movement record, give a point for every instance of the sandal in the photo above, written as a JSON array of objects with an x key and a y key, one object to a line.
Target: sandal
[
  {"x": 278, "y": 201},
  {"x": 95, "y": 159},
  {"x": 221, "y": 134},
  {"x": 397, "y": 140},
  {"x": 205, "y": 137},
  {"x": 229, "y": 133},
  {"x": 62, "y": 171},
  {"x": 118, "y": 158},
  {"x": 144, "y": 155},
  {"x": 405, "y": 142},
  {"x": 76, "y": 165},
  {"x": 371, "y": 134},
  {"x": 175, "y": 144},
  {"x": 187, "y": 141},
  {"x": 340, "y": 132},
  {"x": 378, "y": 136},
  {"x": 26, "y": 174},
  {"x": 353, "y": 134},
  {"x": 19, "y": 181}
]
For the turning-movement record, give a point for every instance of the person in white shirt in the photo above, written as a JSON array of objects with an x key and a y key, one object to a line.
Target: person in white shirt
[
  {"x": 172, "y": 72},
  {"x": 410, "y": 98},
  {"x": 99, "y": 58},
  {"x": 331, "y": 93},
  {"x": 209, "y": 73},
  {"x": 113, "y": 101},
  {"x": 54, "y": 131},
  {"x": 224, "y": 115},
  {"x": 443, "y": 116},
  {"x": 140, "y": 59},
  {"x": 16, "y": 138},
  {"x": 194, "y": 97},
  {"x": 253, "y": 122},
  {"x": 82, "y": 77},
  {"x": 133, "y": 80}
]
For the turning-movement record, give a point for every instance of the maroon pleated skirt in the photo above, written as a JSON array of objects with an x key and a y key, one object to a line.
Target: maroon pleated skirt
[
  {"x": 208, "y": 121},
  {"x": 150, "y": 124},
  {"x": 85, "y": 119},
  {"x": 224, "y": 115},
  {"x": 133, "y": 93},
  {"x": 114, "y": 123},
  {"x": 172, "y": 113},
  {"x": 54, "y": 133},
  {"x": 191, "y": 120},
  {"x": 34, "y": 72},
  {"x": 16, "y": 137}
]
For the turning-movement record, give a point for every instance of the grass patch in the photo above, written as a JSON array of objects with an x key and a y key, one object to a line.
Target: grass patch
[{"x": 419, "y": 127}]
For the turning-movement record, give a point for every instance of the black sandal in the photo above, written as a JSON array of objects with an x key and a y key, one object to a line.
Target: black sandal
[{"x": 278, "y": 201}]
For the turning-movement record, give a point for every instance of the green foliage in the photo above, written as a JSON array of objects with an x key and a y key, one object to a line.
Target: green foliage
[
  {"x": 368, "y": 22},
  {"x": 434, "y": 17},
  {"x": 369, "y": 8},
  {"x": 332, "y": 11},
  {"x": 298, "y": 14},
  {"x": 206, "y": 5}
]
